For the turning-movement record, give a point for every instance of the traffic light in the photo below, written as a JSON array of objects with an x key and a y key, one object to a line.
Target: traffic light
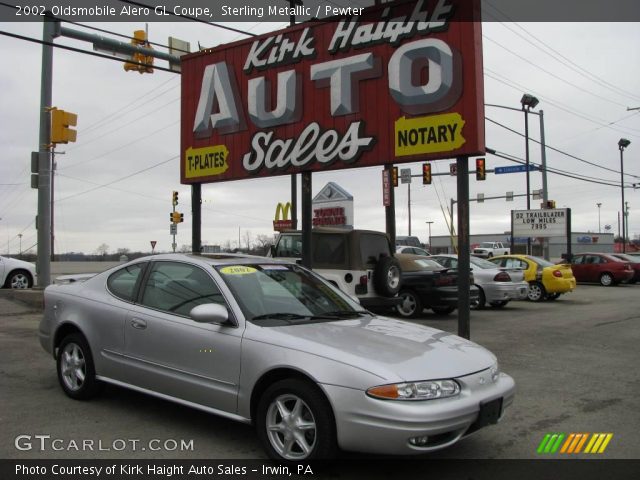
[
  {"x": 60, "y": 123},
  {"x": 140, "y": 39},
  {"x": 426, "y": 173},
  {"x": 176, "y": 217},
  {"x": 181, "y": 218},
  {"x": 481, "y": 173},
  {"x": 174, "y": 200},
  {"x": 394, "y": 176}
]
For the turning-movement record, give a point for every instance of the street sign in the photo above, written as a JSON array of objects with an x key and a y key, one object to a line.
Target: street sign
[
  {"x": 509, "y": 196},
  {"x": 537, "y": 194},
  {"x": 480, "y": 198},
  {"x": 153, "y": 244},
  {"x": 405, "y": 175},
  {"x": 386, "y": 188},
  {"x": 513, "y": 169},
  {"x": 173, "y": 229}
]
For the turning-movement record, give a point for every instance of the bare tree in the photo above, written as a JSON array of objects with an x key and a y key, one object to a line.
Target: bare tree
[
  {"x": 103, "y": 249},
  {"x": 123, "y": 251},
  {"x": 263, "y": 243},
  {"x": 185, "y": 249}
]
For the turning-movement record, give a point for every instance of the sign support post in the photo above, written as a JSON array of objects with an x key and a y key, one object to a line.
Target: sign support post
[
  {"x": 306, "y": 218},
  {"x": 390, "y": 210},
  {"x": 196, "y": 218},
  {"x": 464, "y": 256}
]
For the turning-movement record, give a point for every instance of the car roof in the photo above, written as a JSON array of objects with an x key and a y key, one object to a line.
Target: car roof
[{"x": 216, "y": 259}]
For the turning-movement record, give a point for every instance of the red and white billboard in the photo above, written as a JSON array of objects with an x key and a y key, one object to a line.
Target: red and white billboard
[{"x": 400, "y": 83}]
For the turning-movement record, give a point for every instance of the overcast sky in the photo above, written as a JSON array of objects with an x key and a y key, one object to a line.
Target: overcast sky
[{"x": 585, "y": 76}]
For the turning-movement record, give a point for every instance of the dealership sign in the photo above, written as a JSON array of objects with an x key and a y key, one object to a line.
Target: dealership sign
[
  {"x": 400, "y": 83},
  {"x": 540, "y": 223}
]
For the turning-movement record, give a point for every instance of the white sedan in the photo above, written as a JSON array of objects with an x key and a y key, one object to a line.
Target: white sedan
[
  {"x": 16, "y": 273},
  {"x": 498, "y": 286}
]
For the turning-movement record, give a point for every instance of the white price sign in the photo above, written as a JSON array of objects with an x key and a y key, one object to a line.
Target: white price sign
[{"x": 539, "y": 223}]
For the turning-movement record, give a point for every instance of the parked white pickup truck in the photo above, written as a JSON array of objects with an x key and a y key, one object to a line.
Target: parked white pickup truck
[{"x": 491, "y": 249}]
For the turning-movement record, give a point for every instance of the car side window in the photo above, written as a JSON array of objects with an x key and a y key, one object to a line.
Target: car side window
[
  {"x": 289, "y": 246},
  {"x": 123, "y": 282},
  {"x": 176, "y": 287},
  {"x": 329, "y": 248}
]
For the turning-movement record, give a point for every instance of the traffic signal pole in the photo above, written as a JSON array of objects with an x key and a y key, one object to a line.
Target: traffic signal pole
[{"x": 43, "y": 219}]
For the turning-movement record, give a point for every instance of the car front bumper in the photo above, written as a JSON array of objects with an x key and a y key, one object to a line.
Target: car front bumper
[{"x": 370, "y": 425}]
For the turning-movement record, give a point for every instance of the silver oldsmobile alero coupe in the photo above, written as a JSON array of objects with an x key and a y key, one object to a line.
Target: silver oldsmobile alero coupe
[{"x": 273, "y": 344}]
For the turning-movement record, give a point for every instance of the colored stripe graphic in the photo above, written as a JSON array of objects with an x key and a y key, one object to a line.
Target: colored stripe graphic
[
  {"x": 550, "y": 443},
  {"x": 574, "y": 443}
]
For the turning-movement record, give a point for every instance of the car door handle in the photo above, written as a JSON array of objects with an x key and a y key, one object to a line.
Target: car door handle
[{"x": 138, "y": 323}]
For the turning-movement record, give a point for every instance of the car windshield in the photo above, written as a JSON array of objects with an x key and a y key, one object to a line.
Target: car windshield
[{"x": 285, "y": 294}]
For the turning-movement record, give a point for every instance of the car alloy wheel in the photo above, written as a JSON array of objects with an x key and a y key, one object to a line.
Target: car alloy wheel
[
  {"x": 606, "y": 280},
  {"x": 76, "y": 372},
  {"x": 536, "y": 292},
  {"x": 295, "y": 422},
  {"x": 482, "y": 300},
  {"x": 19, "y": 280},
  {"x": 410, "y": 305}
]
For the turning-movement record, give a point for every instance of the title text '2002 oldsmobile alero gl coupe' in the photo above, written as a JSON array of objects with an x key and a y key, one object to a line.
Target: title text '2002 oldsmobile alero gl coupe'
[{"x": 286, "y": 351}]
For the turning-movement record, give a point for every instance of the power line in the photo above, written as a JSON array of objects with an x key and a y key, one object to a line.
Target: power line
[
  {"x": 82, "y": 162},
  {"x": 572, "y": 84},
  {"x": 510, "y": 83},
  {"x": 558, "y": 150},
  {"x": 566, "y": 62}
]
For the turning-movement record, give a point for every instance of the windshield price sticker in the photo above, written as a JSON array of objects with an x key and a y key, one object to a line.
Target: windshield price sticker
[{"x": 237, "y": 270}]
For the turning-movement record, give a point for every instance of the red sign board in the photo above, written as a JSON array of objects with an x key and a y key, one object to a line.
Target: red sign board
[{"x": 400, "y": 83}]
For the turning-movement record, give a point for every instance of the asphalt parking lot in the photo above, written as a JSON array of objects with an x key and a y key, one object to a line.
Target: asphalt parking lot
[{"x": 575, "y": 362}]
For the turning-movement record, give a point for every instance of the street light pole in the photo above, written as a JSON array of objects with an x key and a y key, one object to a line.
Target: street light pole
[
  {"x": 429, "y": 222},
  {"x": 528, "y": 102},
  {"x": 599, "y": 205},
  {"x": 622, "y": 144}
]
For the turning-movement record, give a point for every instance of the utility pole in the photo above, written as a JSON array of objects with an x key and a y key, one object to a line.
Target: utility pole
[{"x": 43, "y": 223}]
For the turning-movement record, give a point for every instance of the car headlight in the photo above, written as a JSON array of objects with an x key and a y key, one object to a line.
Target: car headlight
[
  {"x": 426, "y": 390},
  {"x": 495, "y": 372}
]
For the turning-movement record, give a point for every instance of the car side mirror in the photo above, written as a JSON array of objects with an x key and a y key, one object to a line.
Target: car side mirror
[{"x": 210, "y": 313}]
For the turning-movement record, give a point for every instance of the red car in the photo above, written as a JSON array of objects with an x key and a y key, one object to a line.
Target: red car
[
  {"x": 601, "y": 267},
  {"x": 634, "y": 260}
]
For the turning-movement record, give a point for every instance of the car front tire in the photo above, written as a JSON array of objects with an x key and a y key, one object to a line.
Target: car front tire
[
  {"x": 295, "y": 422},
  {"x": 76, "y": 371},
  {"x": 19, "y": 279},
  {"x": 411, "y": 306}
]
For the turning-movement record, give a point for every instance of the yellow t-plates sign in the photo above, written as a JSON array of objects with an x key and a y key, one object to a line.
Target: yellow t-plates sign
[
  {"x": 432, "y": 134},
  {"x": 206, "y": 162},
  {"x": 237, "y": 270}
]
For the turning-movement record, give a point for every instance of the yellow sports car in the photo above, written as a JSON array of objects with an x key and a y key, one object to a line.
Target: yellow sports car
[{"x": 546, "y": 280}]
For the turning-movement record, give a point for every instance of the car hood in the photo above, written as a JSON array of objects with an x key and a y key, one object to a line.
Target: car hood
[{"x": 391, "y": 349}]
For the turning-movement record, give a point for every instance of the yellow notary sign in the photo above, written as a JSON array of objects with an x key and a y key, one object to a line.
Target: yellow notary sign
[
  {"x": 431, "y": 134},
  {"x": 206, "y": 161}
]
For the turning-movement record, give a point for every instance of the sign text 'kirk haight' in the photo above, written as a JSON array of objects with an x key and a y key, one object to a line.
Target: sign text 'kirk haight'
[{"x": 400, "y": 83}]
